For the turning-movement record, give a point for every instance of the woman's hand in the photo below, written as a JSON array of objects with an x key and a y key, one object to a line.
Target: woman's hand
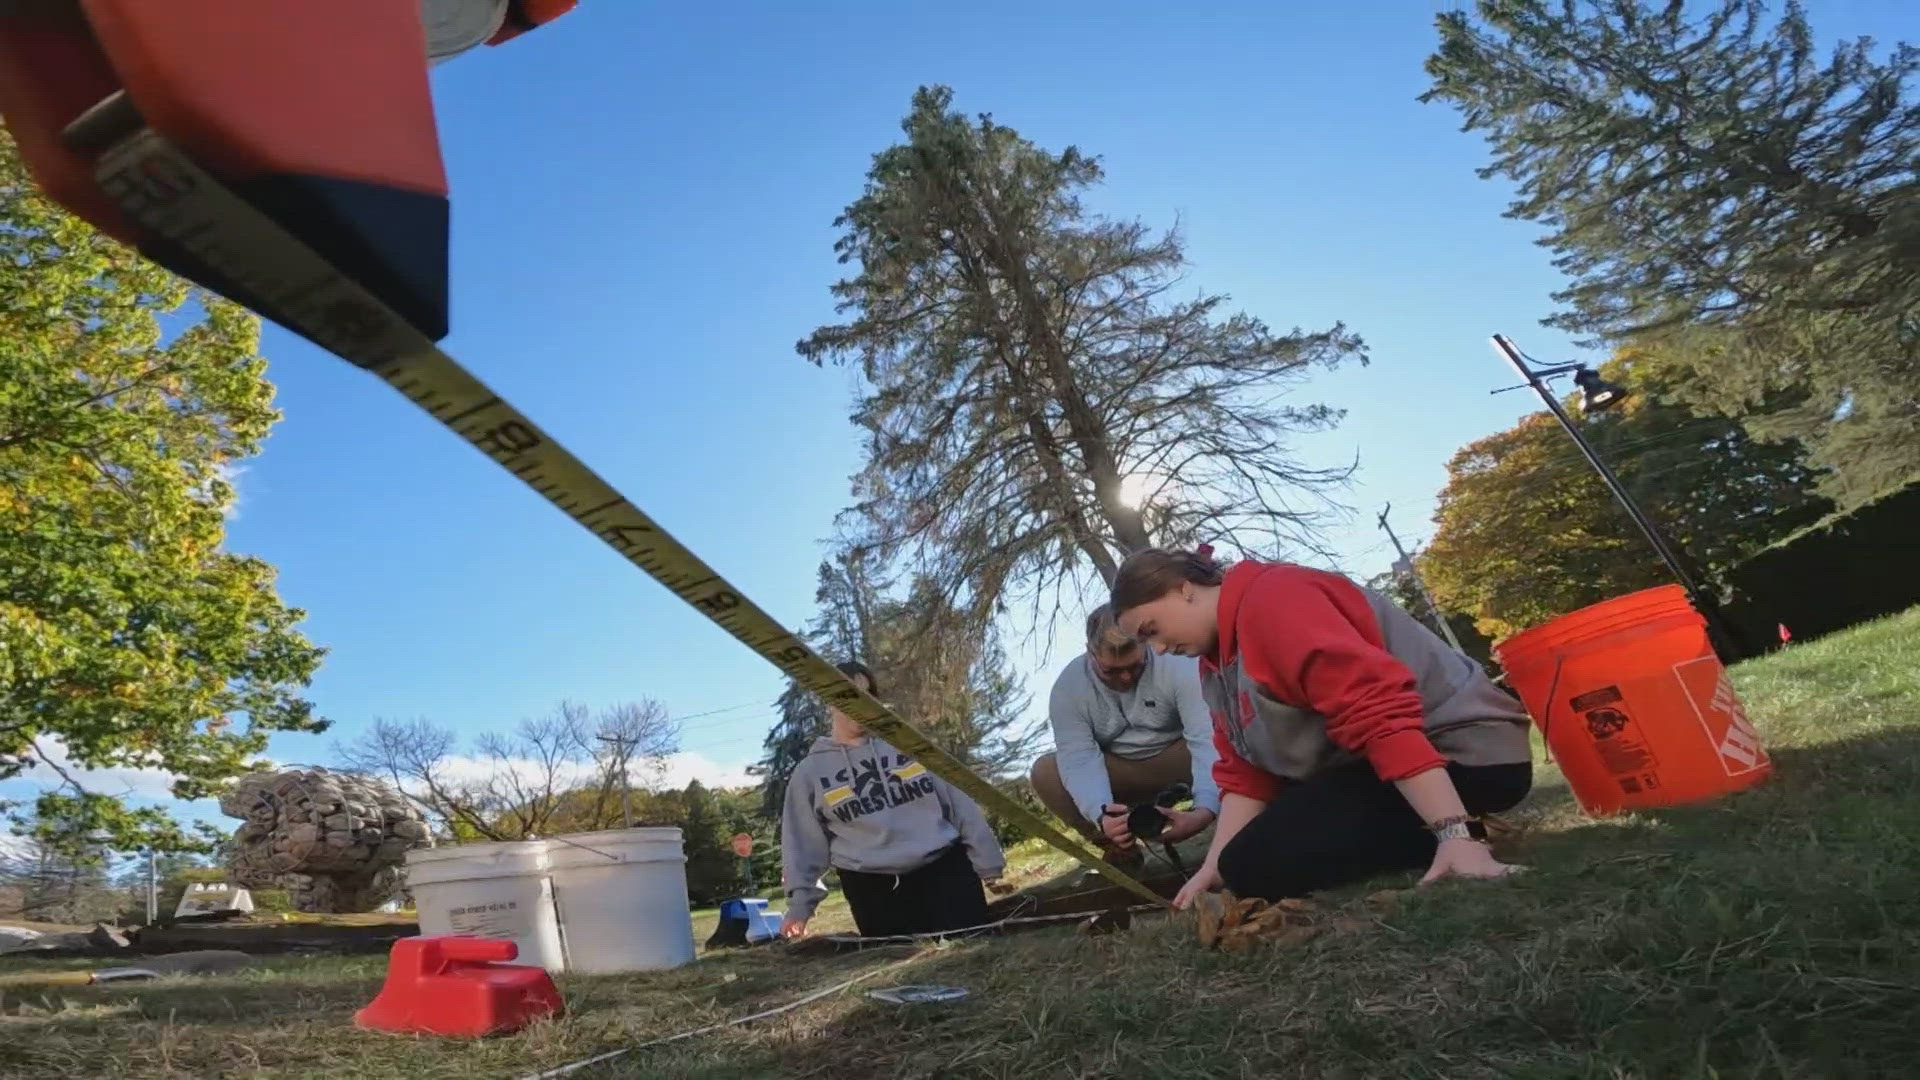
[
  {"x": 1468, "y": 859},
  {"x": 1184, "y": 823},
  {"x": 1206, "y": 879},
  {"x": 793, "y": 928}
]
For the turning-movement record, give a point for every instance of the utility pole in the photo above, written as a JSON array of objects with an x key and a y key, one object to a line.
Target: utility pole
[
  {"x": 622, "y": 748},
  {"x": 1439, "y": 618},
  {"x": 1728, "y": 641}
]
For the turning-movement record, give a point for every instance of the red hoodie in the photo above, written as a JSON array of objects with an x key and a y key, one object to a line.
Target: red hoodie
[{"x": 1312, "y": 671}]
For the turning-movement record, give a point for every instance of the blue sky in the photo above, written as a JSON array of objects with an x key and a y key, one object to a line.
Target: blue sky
[{"x": 643, "y": 206}]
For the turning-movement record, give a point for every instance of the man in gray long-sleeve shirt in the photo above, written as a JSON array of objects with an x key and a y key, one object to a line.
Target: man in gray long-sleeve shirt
[{"x": 1127, "y": 723}]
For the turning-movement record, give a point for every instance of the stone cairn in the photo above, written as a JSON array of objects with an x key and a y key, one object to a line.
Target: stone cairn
[{"x": 334, "y": 841}]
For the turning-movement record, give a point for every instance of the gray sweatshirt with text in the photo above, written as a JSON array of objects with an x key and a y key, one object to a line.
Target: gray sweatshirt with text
[
  {"x": 1089, "y": 717},
  {"x": 868, "y": 807}
]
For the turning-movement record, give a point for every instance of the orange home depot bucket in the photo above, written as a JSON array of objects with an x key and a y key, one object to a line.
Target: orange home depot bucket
[{"x": 1634, "y": 704}]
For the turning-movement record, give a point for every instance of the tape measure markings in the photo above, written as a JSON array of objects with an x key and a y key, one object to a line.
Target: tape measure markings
[{"x": 157, "y": 185}]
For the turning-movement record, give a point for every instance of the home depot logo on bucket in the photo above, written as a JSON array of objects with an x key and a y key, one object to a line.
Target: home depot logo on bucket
[
  {"x": 1633, "y": 671},
  {"x": 1721, "y": 715}
]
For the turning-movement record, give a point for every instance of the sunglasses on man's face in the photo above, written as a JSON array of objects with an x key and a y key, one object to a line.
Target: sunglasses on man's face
[{"x": 1114, "y": 671}]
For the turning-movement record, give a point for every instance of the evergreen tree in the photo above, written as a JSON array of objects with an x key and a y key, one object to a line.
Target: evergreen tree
[
  {"x": 802, "y": 719},
  {"x": 940, "y": 668},
  {"x": 1720, "y": 192},
  {"x": 1036, "y": 400}
]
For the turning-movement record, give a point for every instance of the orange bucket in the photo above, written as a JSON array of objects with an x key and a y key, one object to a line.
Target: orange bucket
[{"x": 1633, "y": 703}]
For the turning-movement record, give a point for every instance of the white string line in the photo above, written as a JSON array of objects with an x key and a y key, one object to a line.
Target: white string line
[
  {"x": 575, "y": 1066},
  {"x": 563, "y": 1070},
  {"x": 854, "y": 939}
]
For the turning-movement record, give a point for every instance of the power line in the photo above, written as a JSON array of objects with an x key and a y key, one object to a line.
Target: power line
[
  {"x": 1614, "y": 451},
  {"x": 716, "y": 712}
]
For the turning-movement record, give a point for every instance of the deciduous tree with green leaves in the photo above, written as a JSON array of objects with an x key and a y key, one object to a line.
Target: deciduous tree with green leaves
[
  {"x": 1721, "y": 190},
  {"x": 1526, "y": 531},
  {"x": 128, "y": 635},
  {"x": 713, "y": 873}
]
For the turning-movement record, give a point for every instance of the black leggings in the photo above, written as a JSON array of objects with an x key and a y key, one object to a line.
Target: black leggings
[
  {"x": 1347, "y": 824},
  {"x": 943, "y": 895}
]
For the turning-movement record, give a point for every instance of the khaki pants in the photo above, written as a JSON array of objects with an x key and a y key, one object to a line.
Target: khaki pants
[{"x": 1134, "y": 781}]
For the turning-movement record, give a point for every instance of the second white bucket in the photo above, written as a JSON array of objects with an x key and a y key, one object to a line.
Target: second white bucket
[
  {"x": 622, "y": 898},
  {"x": 497, "y": 890}
]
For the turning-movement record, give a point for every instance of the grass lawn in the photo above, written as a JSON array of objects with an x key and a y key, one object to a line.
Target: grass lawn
[{"x": 1772, "y": 933}]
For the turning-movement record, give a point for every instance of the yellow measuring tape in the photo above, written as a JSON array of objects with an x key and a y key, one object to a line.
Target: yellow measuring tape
[{"x": 160, "y": 187}]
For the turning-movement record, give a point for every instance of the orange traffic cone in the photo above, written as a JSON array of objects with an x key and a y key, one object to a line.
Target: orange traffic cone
[{"x": 454, "y": 985}]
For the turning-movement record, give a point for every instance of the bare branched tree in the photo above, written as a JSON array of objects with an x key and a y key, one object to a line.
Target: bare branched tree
[
  {"x": 630, "y": 740},
  {"x": 1037, "y": 397},
  {"x": 60, "y": 883},
  {"x": 565, "y": 766}
]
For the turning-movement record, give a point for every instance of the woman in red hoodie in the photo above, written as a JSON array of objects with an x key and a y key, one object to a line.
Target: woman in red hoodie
[{"x": 1352, "y": 740}]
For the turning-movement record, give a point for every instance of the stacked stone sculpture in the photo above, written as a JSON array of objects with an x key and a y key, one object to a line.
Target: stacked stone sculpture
[{"x": 334, "y": 841}]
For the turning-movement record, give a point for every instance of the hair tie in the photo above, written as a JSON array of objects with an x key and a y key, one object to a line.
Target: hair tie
[{"x": 1205, "y": 551}]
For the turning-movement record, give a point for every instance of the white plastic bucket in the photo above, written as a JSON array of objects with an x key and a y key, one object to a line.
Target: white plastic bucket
[
  {"x": 622, "y": 898},
  {"x": 496, "y": 889}
]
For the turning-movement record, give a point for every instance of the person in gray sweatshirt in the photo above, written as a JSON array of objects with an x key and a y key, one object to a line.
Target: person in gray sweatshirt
[
  {"x": 1127, "y": 724},
  {"x": 911, "y": 849}
]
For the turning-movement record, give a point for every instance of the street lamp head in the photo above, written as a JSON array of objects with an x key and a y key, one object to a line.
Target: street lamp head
[{"x": 1596, "y": 393}]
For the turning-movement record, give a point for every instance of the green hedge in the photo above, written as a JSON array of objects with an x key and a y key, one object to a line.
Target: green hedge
[{"x": 1844, "y": 570}]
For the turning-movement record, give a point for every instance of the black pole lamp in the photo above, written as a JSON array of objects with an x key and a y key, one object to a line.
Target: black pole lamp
[{"x": 1598, "y": 395}]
